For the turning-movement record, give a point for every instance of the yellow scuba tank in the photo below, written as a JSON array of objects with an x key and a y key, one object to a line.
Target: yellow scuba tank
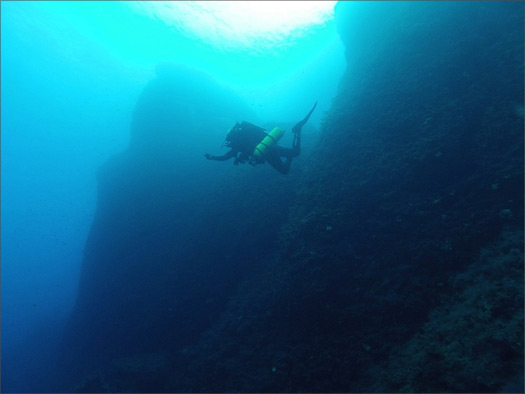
[{"x": 270, "y": 140}]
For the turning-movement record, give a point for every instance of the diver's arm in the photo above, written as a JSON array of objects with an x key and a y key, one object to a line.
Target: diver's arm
[{"x": 226, "y": 156}]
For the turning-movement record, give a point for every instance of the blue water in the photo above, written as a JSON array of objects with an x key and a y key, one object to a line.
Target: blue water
[
  {"x": 131, "y": 263},
  {"x": 71, "y": 76}
]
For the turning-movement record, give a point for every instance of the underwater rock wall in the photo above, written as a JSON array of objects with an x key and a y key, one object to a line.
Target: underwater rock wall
[
  {"x": 172, "y": 235},
  {"x": 400, "y": 267},
  {"x": 420, "y": 167}
]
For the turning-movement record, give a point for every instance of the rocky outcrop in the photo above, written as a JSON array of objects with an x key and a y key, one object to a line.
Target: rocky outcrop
[
  {"x": 399, "y": 263},
  {"x": 418, "y": 173},
  {"x": 173, "y": 233}
]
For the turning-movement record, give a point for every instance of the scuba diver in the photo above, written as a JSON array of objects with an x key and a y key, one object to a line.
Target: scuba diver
[{"x": 252, "y": 144}]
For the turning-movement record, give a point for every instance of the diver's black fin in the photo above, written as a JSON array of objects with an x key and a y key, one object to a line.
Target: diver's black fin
[
  {"x": 298, "y": 126},
  {"x": 309, "y": 113}
]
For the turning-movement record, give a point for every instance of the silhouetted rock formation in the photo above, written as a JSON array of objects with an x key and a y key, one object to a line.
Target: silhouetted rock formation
[
  {"x": 171, "y": 235},
  {"x": 400, "y": 265},
  {"x": 417, "y": 180}
]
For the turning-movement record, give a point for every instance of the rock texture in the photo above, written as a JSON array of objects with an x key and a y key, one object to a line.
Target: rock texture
[
  {"x": 172, "y": 235},
  {"x": 395, "y": 262},
  {"x": 383, "y": 280}
]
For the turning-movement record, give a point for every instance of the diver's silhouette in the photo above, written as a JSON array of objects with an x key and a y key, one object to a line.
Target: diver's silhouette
[{"x": 252, "y": 144}]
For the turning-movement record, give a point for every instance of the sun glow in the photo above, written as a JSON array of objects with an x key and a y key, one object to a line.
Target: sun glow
[{"x": 240, "y": 25}]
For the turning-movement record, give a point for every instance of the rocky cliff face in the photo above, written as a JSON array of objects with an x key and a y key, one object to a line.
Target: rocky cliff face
[
  {"x": 399, "y": 262},
  {"x": 172, "y": 235}
]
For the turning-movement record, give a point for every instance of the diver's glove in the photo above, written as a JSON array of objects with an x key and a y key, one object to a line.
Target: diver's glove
[{"x": 208, "y": 156}]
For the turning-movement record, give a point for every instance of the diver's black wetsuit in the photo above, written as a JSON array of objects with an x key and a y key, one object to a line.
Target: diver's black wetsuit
[{"x": 244, "y": 137}]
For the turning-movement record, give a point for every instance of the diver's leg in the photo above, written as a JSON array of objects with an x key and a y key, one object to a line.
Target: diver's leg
[
  {"x": 275, "y": 161},
  {"x": 297, "y": 128},
  {"x": 288, "y": 152},
  {"x": 296, "y": 145}
]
